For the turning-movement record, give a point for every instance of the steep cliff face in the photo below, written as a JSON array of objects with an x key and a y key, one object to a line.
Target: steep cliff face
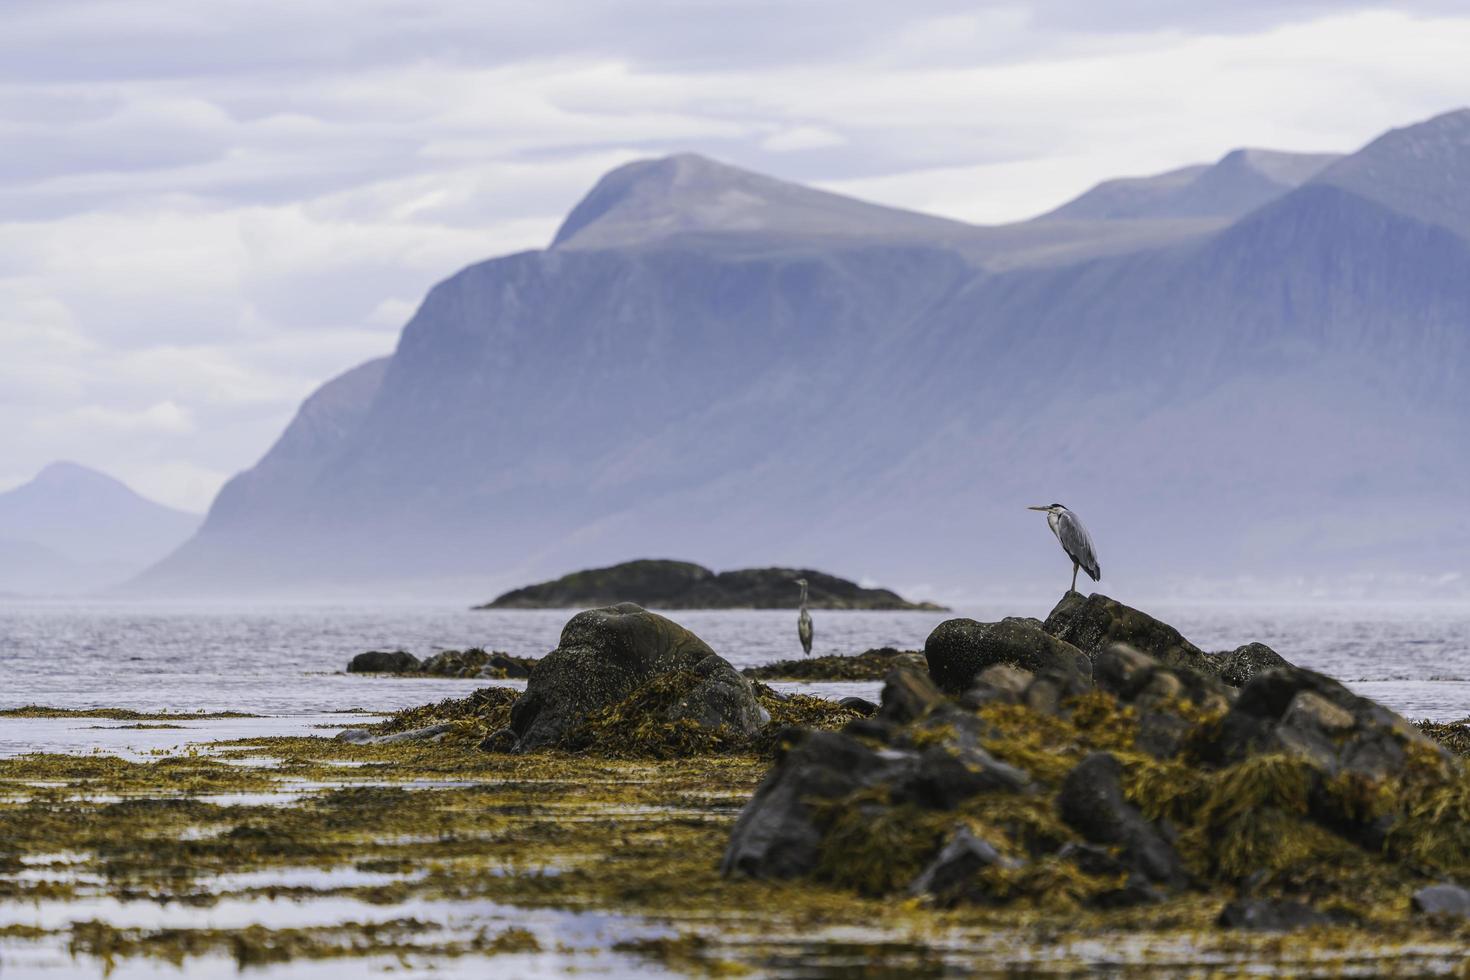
[{"x": 718, "y": 364}]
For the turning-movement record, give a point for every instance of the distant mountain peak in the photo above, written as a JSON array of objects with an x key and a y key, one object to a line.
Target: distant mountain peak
[
  {"x": 686, "y": 193},
  {"x": 66, "y": 473},
  {"x": 1420, "y": 170}
]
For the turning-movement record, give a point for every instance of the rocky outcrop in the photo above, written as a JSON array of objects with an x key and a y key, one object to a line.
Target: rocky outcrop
[
  {"x": 474, "y": 663},
  {"x": 959, "y": 649},
  {"x": 1310, "y": 716},
  {"x": 606, "y": 655},
  {"x": 1094, "y": 623},
  {"x": 685, "y": 585},
  {"x": 382, "y": 662},
  {"x": 1293, "y": 799}
]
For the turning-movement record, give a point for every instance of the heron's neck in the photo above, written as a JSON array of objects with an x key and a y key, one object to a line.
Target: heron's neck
[
  {"x": 803, "y": 595},
  {"x": 1051, "y": 520}
]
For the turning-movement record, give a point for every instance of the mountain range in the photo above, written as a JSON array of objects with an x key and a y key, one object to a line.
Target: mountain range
[
  {"x": 1248, "y": 371},
  {"x": 72, "y": 529}
]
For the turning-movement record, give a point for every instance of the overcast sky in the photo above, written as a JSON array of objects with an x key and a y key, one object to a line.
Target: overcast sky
[{"x": 208, "y": 207}]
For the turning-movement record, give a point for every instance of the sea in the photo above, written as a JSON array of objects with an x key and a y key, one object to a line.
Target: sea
[{"x": 285, "y": 663}]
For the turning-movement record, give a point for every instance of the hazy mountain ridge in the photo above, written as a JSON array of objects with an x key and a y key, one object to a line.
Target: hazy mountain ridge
[
  {"x": 72, "y": 529},
  {"x": 1235, "y": 185},
  {"x": 1267, "y": 395}
]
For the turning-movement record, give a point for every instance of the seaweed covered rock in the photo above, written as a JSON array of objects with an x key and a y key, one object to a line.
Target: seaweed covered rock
[
  {"x": 1300, "y": 713},
  {"x": 1167, "y": 699},
  {"x": 779, "y": 833},
  {"x": 1002, "y": 797},
  {"x": 606, "y": 655},
  {"x": 1094, "y": 623},
  {"x": 383, "y": 662},
  {"x": 959, "y": 649},
  {"x": 456, "y": 720},
  {"x": 1091, "y": 802},
  {"x": 473, "y": 663},
  {"x": 477, "y": 663},
  {"x": 1453, "y": 735},
  {"x": 871, "y": 665}
]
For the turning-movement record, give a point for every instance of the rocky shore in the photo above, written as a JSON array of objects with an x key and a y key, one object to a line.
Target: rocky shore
[{"x": 1097, "y": 760}]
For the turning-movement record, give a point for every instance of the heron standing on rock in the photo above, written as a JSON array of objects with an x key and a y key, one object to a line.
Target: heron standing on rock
[
  {"x": 804, "y": 621},
  {"x": 1075, "y": 542}
]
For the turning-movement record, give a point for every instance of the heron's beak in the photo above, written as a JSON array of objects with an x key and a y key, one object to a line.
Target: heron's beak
[{"x": 1038, "y": 508}]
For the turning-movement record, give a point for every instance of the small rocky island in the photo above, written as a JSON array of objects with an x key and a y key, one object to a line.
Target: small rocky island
[{"x": 663, "y": 584}]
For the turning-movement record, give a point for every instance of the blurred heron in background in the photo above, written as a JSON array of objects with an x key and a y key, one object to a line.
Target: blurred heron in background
[{"x": 804, "y": 621}]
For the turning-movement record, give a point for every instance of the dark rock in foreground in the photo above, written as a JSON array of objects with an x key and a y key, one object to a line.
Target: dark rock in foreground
[
  {"x": 605, "y": 655},
  {"x": 685, "y": 585}
]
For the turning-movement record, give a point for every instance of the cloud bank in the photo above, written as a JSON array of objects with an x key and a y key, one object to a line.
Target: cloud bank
[{"x": 207, "y": 209}]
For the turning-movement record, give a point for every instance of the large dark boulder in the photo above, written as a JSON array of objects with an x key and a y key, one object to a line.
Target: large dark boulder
[
  {"x": 382, "y": 662},
  {"x": 1094, "y": 623},
  {"x": 935, "y": 762},
  {"x": 959, "y": 649},
  {"x": 1309, "y": 715},
  {"x": 949, "y": 878},
  {"x": 778, "y": 835},
  {"x": 607, "y": 654},
  {"x": 909, "y": 692},
  {"x": 1091, "y": 801}
]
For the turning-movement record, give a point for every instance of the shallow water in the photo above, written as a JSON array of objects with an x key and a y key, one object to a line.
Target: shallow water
[{"x": 285, "y": 661}]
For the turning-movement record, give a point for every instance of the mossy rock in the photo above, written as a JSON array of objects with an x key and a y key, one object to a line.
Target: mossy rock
[
  {"x": 959, "y": 649},
  {"x": 1094, "y": 623},
  {"x": 605, "y": 655}
]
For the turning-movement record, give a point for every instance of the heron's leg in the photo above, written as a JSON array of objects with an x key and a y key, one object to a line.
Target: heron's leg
[{"x": 1074, "y": 576}]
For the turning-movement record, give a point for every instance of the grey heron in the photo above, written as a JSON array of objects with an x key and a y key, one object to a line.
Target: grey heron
[
  {"x": 1075, "y": 541},
  {"x": 804, "y": 621}
]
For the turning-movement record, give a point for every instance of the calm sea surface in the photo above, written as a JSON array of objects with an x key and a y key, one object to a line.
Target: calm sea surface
[{"x": 285, "y": 661}]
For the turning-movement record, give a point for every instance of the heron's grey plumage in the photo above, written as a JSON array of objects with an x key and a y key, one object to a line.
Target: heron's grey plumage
[
  {"x": 804, "y": 621},
  {"x": 1075, "y": 541}
]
